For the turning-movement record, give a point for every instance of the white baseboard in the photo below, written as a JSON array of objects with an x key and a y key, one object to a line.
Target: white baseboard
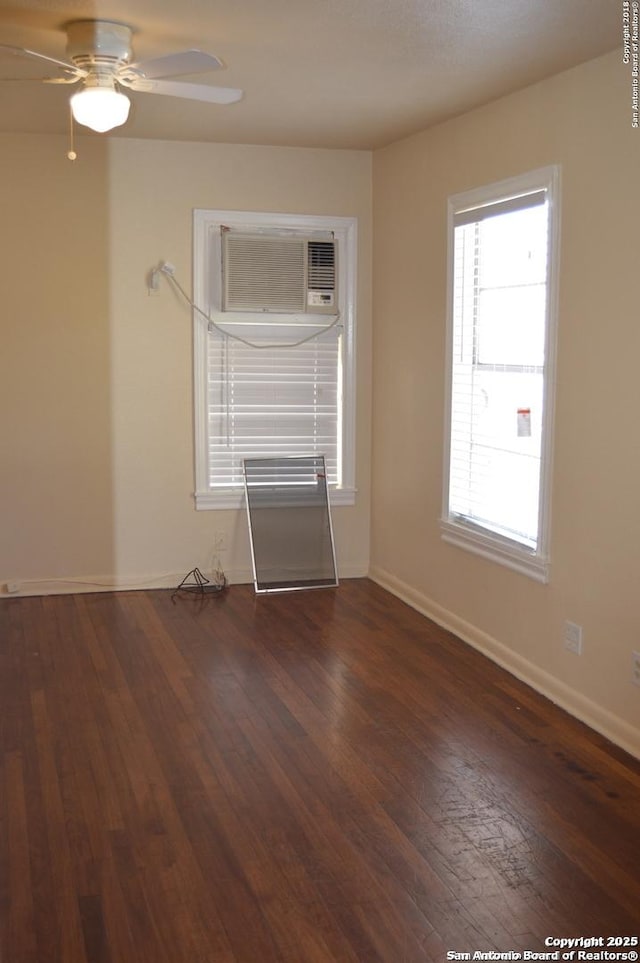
[
  {"x": 114, "y": 583},
  {"x": 92, "y": 583},
  {"x": 615, "y": 729}
]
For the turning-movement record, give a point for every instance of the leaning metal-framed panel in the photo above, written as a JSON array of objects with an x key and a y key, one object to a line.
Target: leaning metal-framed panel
[{"x": 289, "y": 523}]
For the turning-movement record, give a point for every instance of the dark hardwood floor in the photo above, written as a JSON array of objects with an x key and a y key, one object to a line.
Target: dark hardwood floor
[{"x": 306, "y": 778}]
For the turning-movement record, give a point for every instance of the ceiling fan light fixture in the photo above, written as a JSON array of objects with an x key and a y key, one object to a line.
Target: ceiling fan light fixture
[
  {"x": 100, "y": 62},
  {"x": 100, "y": 108}
]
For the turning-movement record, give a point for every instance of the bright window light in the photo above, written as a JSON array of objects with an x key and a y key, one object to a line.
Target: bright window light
[{"x": 501, "y": 351}]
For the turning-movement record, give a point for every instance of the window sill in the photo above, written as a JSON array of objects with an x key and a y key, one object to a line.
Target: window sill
[
  {"x": 496, "y": 549},
  {"x": 234, "y": 499}
]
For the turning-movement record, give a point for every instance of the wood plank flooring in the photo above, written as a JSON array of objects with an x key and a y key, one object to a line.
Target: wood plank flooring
[{"x": 303, "y": 778}]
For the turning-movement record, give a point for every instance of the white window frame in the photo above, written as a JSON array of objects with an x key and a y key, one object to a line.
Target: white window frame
[
  {"x": 455, "y": 530},
  {"x": 207, "y": 297}
]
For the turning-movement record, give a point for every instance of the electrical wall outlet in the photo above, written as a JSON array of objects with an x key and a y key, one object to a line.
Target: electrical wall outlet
[
  {"x": 153, "y": 282},
  {"x": 220, "y": 542},
  {"x": 12, "y": 587},
  {"x": 573, "y": 638},
  {"x": 635, "y": 668}
]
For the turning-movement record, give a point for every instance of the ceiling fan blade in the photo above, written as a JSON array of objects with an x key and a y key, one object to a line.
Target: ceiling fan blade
[
  {"x": 39, "y": 80},
  {"x": 172, "y": 65},
  {"x": 23, "y": 52},
  {"x": 170, "y": 88}
]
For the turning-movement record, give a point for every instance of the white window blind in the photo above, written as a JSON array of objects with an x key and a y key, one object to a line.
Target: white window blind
[
  {"x": 499, "y": 331},
  {"x": 278, "y": 400}
]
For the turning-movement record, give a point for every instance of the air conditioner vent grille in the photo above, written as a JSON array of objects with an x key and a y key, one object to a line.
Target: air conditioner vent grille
[
  {"x": 322, "y": 265},
  {"x": 263, "y": 273}
]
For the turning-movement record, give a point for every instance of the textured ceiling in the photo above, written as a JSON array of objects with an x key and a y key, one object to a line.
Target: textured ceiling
[{"x": 316, "y": 73}]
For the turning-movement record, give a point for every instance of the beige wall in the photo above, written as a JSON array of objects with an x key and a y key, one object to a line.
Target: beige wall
[
  {"x": 96, "y": 378},
  {"x": 582, "y": 121},
  {"x": 56, "y": 499}
]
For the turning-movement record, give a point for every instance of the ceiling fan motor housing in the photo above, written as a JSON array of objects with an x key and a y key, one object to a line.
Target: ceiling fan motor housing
[{"x": 95, "y": 41}]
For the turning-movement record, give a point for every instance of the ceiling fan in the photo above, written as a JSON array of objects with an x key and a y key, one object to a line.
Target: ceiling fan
[{"x": 99, "y": 53}]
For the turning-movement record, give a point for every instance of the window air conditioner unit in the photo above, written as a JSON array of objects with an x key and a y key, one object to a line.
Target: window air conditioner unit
[{"x": 278, "y": 273}]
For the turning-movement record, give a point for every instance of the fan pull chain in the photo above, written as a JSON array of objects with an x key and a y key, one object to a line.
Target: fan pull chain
[{"x": 71, "y": 154}]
